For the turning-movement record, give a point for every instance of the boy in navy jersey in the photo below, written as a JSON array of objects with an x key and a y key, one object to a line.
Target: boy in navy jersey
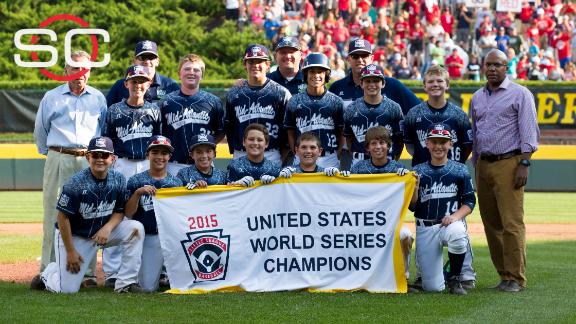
[
  {"x": 141, "y": 188},
  {"x": 90, "y": 217},
  {"x": 377, "y": 143},
  {"x": 308, "y": 151},
  {"x": 254, "y": 165},
  {"x": 190, "y": 112},
  {"x": 434, "y": 111},
  {"x": 316, "y": 110},
  {"x": 130, "y": 123},
  {"x": 373, "y": 109},
  {"x": 438, "y": 110},
  {"x": 445, "y": 197},
  {"x": 259, "y": 100},
  {"x": 202, "y": 173}
]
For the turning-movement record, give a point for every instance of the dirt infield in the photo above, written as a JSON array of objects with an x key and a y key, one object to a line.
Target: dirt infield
[{"x": 24, "y": 271}]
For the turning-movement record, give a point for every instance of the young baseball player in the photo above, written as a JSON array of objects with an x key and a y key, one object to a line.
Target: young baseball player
[
  {"x": 316, "y": 110},
  {"x": 90, "y": 213},
  {"x": 373, "y": 109},
  {"x": 202, "y": 173},
  {"x": 377, "y": 142},
  {"x": 130, "y": 123},
  {"x": 190, "y": 112},
  {"x": 141, "y": 188},
  {"x": 445, "y": 196},
  {"x": 254, "y": 165},
  {"x": 259, "y": 100},
  {"x": 438, "y": 110},
  {"x": 308, "y": 150}
]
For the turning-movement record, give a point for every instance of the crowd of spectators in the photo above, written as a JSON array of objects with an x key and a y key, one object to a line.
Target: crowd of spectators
[{"x": 411, "y": 35}]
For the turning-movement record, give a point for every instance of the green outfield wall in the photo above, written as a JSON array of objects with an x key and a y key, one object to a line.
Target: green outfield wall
[{"x": 553, "y": 167}]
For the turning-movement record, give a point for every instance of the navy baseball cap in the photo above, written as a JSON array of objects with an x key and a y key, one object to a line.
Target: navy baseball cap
[
  {"x": 359, "y": 46},
  {"x": 137, "y": 71},
  {"x": 146, "y": 47},
  {"x": 159, "y": 141},
  {"x": 439, "y": 131},
  {"x": 101, "y": 144},
  {"x": 372, "y": 70},
  {"x": 256, "y": 51},
  {"x": 288, "y": 41},
  {"x": 202, "y": 140}
]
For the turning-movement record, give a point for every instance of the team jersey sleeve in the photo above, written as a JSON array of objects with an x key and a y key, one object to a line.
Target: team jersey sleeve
[
  {"x": 232, "y": 173},
  {"x": 467, "y": 189},
  {"x": 409, "y": 131},
  {"x": 229, "y": 122},
  {"x": 68, "y": 202},
  {"x": 182, "y": 176},
  {"x": 355, "y": 168},
  {"x": 107, "y": 130},
  {"x": 217, "y": 118},
  {"x": 338, "y": 115},
  {"x": 347, "y": 120},
  {"x": 122, "y": 194},
  {"x": 397, "y": 132},
  {"x": 290, "y": 115},
  {"x": 157, "y": 123}
]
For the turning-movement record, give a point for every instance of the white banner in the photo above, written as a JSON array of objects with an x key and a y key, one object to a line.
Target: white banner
[
  {"x": 509, "y": 5},
  {"x": 308, "y": 232},
  {"x": 477, "y": 3}
]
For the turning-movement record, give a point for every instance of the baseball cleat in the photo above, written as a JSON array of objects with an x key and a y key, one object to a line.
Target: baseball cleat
[
  {"x": 468, "y": 284},
  {"x": 110, "y": 283},
  {"x": 89, "y": 282},
  {"x": 455, "y": 288},
  {"x": 132, "y": 288},
  {"x": 37, "y": 283}
]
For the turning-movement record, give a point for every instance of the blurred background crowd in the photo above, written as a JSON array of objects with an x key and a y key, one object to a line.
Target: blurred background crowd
[{"x": 408, "y": 36}]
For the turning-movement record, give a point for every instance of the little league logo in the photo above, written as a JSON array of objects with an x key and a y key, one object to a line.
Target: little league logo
[{"x": 207, "y": 253}]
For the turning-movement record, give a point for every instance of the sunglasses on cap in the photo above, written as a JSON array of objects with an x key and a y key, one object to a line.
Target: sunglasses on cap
[
  {"x": 440, "y": 132},
  {"x": 100, "y": 155},
  {"x": 146, "y": 57}
]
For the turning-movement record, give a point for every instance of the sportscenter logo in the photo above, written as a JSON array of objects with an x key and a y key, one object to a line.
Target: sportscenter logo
[{"x": 36, "y": 63}]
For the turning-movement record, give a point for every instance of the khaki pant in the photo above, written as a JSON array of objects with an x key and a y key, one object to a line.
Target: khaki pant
[
  {"x": 502, "y": 212},
  {"x": 58, "y": 169}
]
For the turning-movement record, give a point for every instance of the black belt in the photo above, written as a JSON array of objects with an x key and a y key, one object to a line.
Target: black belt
[
  {"x": 69, "y": 151},
  {"x": 497, "y": 157},
  {"x": 427, "y": 222}
]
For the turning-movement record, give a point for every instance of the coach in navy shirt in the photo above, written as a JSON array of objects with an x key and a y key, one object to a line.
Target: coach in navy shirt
[
  {"x": 288, "y": 56},
  {"x": 348, "y": 88},
  {"x": 146, "y": 54}
]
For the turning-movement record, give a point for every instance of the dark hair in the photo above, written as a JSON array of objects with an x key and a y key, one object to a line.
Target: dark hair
[
  {"x": 308, "y": 136},
  {"x": 377, "y": 133},
  {"x": 260, "y": 128}
]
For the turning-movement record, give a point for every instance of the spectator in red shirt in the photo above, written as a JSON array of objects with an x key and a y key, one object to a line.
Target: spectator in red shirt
[
  {"x": 413, "y": 9},
  {"x": 383, "y": 28},
  {"x": 340, "y": 35},
  {"x": 308, "y": 10},
  {"x": 379, "y": 4},
  {"x": 561, "y": 43},
  {"x": 355, "y": 27},
  {"x": 329, "y": 23},
  {"x": 447, "y": 21},
  {"x": 328, "y": 47},
  {"x": 379, "y": 53},
  {"x": 401, "y": 27},
  {"x": 344, "y": 8},
  {"x": 533, "y": 33},
  {"x": 431, "y": 10},
  {"x": 364, "y": 5},
  {"x": 522, "y": 67},
  {"x": 368, "y": 31},
  {"x": 455, "y": 64},
  {"x": 545, "y": 26},
  {"x": 526, "y": 15}
]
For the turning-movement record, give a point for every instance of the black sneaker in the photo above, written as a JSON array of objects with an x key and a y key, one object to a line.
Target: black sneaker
[
  {"x": 164, "y": 282},
  {"x": 468, "y": 284},
  {"x": 132, "y": 289},
  {"x": 37, "y": 283},
  {"x": 110, "y": 283},
  {"x": 89, "y": 282},
  {"x": 455, "y": 287}
]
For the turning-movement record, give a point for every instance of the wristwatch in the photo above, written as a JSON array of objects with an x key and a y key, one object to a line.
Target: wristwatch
[{"x": 525, "y": 162}]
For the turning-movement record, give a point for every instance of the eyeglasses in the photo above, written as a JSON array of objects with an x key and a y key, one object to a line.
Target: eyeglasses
[
  {"x": 100, "y": 155},
  {"x": 495, "y": 65},
  {"x": 358, "y": 56},
  {"x": 146, "y": 57}
]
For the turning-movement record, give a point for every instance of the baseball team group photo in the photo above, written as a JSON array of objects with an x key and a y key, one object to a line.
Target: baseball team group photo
[{"x": 288, "y": 161}]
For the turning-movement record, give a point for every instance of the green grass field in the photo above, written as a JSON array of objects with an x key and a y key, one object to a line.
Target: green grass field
[
  {"x": 548, "y": 298},
  {"x": 540, "y": 207}
]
